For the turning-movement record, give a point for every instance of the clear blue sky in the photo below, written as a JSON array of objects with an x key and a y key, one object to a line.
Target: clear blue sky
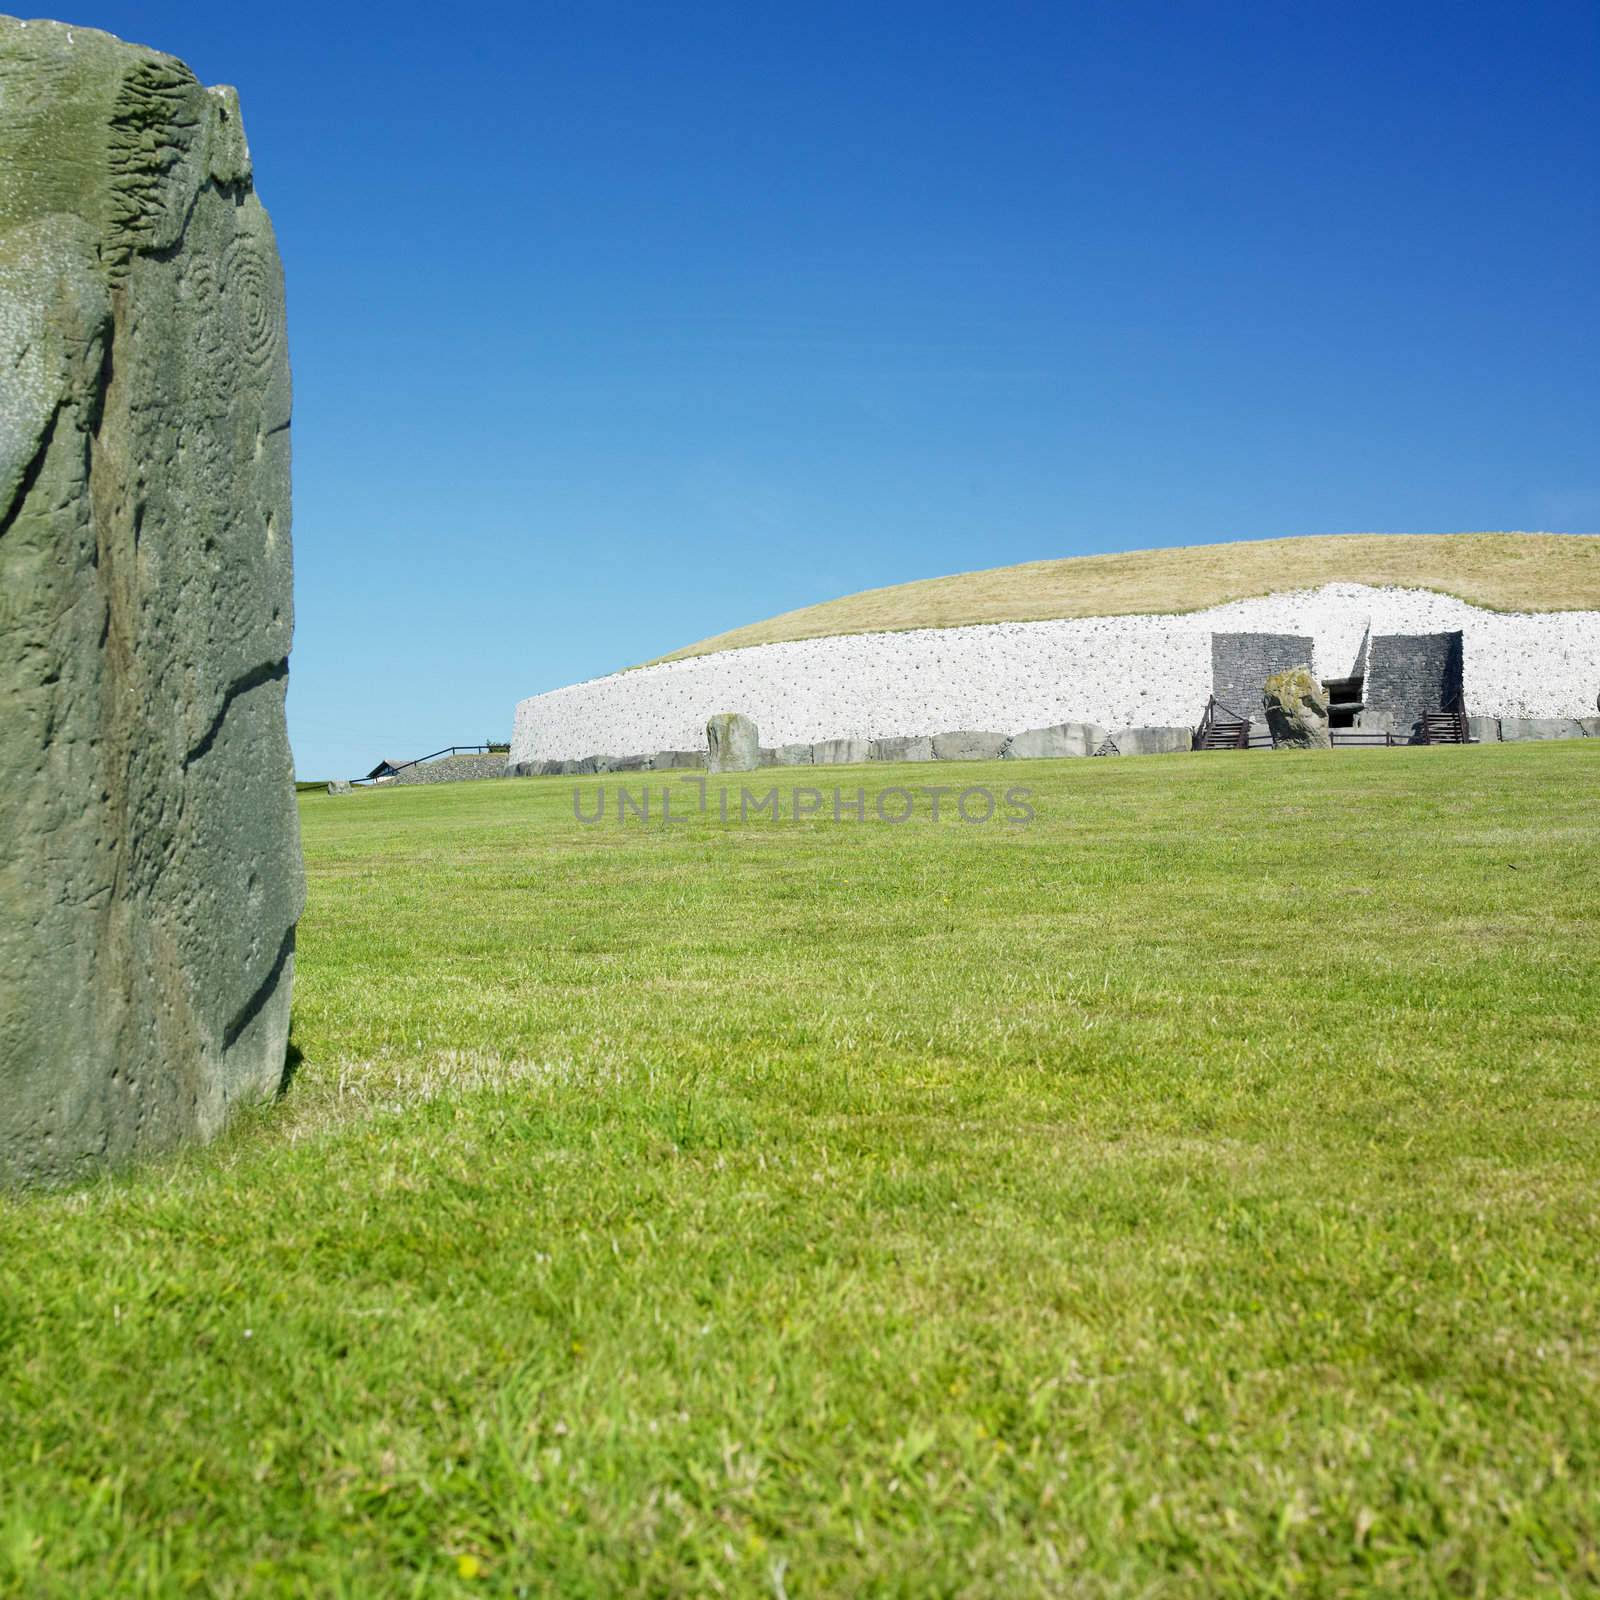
[{"x": 615, "y": 325}]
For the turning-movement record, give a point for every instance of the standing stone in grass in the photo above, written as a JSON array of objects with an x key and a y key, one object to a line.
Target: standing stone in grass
[
  {"x": 1297, "y": 710},
  {"x": 150, "y": 872},
  {"x": 732, "y": 744}
]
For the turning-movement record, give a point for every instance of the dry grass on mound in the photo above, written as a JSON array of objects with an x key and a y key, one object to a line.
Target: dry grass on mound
[{"x": 1499, "y": 571}]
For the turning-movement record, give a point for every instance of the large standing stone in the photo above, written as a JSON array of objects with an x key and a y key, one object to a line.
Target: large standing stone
[
  {"x": 1297, "y": 710},
  {"x": 150, "y": 871},
  {"x": 732, "y": 743}
]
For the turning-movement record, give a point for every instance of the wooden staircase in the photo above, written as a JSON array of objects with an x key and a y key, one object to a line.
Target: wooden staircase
[
  {"x": 1221, "y": 729},
  {"x": 1445, "y": 727}
]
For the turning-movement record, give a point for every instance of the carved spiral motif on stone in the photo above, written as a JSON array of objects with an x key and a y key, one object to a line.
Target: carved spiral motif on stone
[{"x": 251, "y": 288}]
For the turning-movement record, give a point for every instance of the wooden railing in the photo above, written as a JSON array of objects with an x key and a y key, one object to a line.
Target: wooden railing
[{"x": 1221, "y": 728}]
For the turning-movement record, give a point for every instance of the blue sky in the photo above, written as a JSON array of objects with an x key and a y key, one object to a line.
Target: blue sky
[{"x": 617, "y": 325}]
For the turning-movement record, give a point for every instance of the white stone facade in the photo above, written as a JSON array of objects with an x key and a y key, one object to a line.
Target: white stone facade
[{"x": 1119, "y": 672}]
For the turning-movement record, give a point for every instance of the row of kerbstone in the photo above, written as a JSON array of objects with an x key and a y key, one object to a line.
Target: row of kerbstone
[
  {"x": 1063, "y": 740},
  {"x": 1493, "y": 730}
]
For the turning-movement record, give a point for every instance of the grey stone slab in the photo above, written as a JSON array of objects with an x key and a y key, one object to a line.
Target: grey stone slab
[
  {"x": 793, "y": 755},
  {"x": 839, "y": 752},
  {"x": 731, "y": 743},
  {"x": 1518, "y": 728},
  {"x": 912, "y": 748},
  {"x": 1064, "y": 739},
  {"x": 1486, "y": 730},
  {"x": 150, "y": 876},
  {"x": 1152, "y": 741},
  {"x": 963, "y": 745},
  {"x": 341, "y": 786},
  {"x": 676, "y": 760}
]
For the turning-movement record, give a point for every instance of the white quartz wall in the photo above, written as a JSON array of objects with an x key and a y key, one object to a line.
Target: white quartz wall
[{"x": 1136, "y": 671}]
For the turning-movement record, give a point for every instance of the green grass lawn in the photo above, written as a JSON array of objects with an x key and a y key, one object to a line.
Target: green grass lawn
[{"x": 1194, "y": 1192}]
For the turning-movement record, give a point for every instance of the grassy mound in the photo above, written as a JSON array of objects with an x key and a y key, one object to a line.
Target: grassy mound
[
  {"x": 1163, "y": 1198},
  {"x": 1499, "y": 571}
]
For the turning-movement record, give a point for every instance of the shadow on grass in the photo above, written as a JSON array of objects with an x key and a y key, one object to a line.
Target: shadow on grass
[{"x": 292, "y": 1059}]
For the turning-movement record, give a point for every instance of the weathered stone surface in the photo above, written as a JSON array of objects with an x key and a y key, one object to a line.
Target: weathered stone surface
[
  {"x": 1486, "y": 730},
  {"x": 1297, "y": 709},
  {"x": 341, "y": 786},
  {"x": 839, "y": 752},
  {"x": 1064, "y": 739},
  {"x": 673, "y": 760},
  {"x": 965, "y": 746},
  {"x": 1540, "y": 728},
  {"x": 793, "y": 755},
  {"x": 1152, "y": 741},
  {"x": 900, "y": 749},
  {"x": 731, "y": 743},
  {"x": 150, "y": 873}
]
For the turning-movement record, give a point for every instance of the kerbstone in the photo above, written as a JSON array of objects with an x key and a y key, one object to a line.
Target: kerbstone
[
  {"x": 1486, "y": 730},
  {"x": 1152, "y": 741},
  {"x": 340, "y": 786},
  {"x": 732, "y": 743},
  {"x": 1516, "y": 728},
  {"x": 839, "y": 752},
  {"x": 1064, "y": 739},
  {"x": 900, "y": 749},
  {"x": 793, "y": 755},
  {"x": 966, "y": 746},
  {"x": 150, "y": 873}
]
